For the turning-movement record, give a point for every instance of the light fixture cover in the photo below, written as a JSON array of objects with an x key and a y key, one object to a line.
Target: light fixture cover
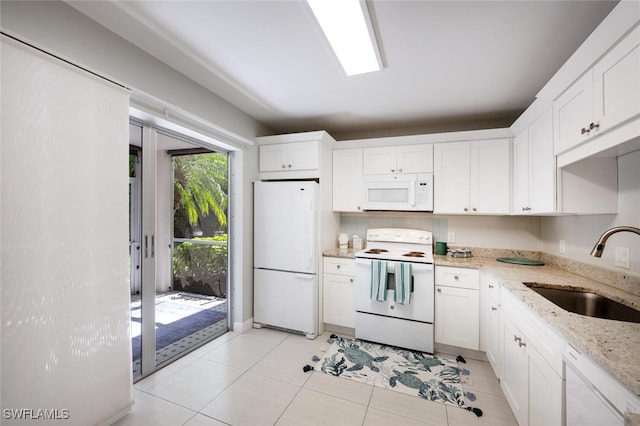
[{"x": 347, "y": 26}]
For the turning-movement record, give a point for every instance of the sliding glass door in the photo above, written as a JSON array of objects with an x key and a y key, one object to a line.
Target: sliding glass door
[
  {"x": 200, "y": 260},
  {"x": 179, "y": 242}
]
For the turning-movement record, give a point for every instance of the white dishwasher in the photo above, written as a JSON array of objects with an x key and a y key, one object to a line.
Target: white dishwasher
[{"x": 593, "y": 396}]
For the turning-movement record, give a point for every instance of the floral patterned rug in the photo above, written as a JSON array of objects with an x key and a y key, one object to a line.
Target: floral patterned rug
[{"x": 426, "y": 376}]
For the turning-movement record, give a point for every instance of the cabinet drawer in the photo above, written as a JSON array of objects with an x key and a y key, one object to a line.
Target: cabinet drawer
[
  {"x": 340, "y": 266},
  {"x": 457, "y": 277}
]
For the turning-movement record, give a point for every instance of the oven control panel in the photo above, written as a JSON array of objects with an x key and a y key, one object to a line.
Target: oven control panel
[{"x": 399, "y": 235}]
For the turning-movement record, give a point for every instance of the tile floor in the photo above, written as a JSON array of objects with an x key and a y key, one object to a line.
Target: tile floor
[{"x": 256, "y": 378}]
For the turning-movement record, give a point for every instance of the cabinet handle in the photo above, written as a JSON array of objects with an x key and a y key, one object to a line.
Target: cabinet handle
[
  {"x": 516, "y": 338},
  {"x": 392, "y": 307},
  {"x": 474, "y": 209},
  {"x": 393, "y": 170},
  {"x": 493, "y": 308},
  {"x": 490, "y": 285},
  {"x": 521, "y": 344},
  {"x": 455, "y": 277},
  {"x": 338, "y": 266},
  {"x": 350, "y": 280},
  {"x": 439, "y": 290},
  {"x": 584, "y": 130},
  {"x": 289, "y": 165},
  {"x": 466, "y": 209},
  {"x": 358, "y": 207},
  {"x": 284, "y": 166},
  {"x": 593, "y": 126}
]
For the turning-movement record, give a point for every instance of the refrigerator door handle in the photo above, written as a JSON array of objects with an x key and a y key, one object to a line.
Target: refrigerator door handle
[
  {"x": 305, "y": 276},
  {"x": 309, "y": 229}
]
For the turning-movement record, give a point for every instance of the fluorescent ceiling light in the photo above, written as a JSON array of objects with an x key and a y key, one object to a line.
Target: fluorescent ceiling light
[{"x": 347, "y": 26}]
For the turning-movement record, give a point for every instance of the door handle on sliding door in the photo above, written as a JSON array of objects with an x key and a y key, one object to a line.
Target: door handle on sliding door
[
  {"x": 146, "y": 246},
  {"x": 153, "y": 245}
]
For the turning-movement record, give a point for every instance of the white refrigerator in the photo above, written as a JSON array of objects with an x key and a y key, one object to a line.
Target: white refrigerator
[{"x": 286, "y": 255}]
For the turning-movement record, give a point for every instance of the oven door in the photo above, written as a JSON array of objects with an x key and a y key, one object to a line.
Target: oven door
[{"x": 421, "y": 305}]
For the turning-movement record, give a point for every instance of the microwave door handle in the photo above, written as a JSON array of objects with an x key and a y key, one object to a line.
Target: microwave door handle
[{"x": 412, "y": 194}]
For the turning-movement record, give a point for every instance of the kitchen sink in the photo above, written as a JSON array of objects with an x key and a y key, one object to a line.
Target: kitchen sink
[{"x": 585, "y": 303}]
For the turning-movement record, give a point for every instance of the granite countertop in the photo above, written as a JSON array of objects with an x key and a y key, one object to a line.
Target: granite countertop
[
  {"x": 348, "y": 253},
  {"x": 612, "y": 344}
]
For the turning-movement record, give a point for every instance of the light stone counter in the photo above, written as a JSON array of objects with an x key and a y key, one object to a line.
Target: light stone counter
[
  {"x": 612, "y": 344},
  {"x": 348, "y": 253}
]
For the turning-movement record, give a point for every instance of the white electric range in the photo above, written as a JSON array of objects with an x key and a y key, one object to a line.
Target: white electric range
[{"x": 380, "y": 318}]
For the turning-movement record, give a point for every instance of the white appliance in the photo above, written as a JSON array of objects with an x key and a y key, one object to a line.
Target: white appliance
[
  {"x": 285, "y": 292},
  {"x": 408, "y": 325},
  {"x": 593, "y": 397},
  {"x": 398, "y": 192}
]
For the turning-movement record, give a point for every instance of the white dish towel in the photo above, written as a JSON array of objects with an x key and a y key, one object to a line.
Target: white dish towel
[
  {"x": 402, "y": 294},
  {"x": 378, "y": 280}
]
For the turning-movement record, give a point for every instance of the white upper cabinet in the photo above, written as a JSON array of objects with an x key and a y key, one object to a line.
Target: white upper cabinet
[
  {"x": 534, "y": 166},
  {"x": 572, "y": 114},
  {"x": 398, "y": 159},
  {"x": 606, "y": 96},
  {"x": 616, "y": 82},
  {"x": 472, "y": 177},
  {"x": 290, "y": 156},
  {"x": 347, "y": 180}
]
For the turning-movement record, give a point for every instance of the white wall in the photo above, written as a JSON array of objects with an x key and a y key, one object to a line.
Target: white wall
[
  {"x": 581, "y": 232},
  {"x": 504, "y": 232}
]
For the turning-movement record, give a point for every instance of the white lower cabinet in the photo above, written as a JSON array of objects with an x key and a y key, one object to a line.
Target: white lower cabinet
[
  {"x": 338, "y": 297},
  {"x": 533, "y": 373},
  {"x": 491, "y": 332},
  {"x": 515, "y": 379},
  {"x": 546, "y": 399},
  {"x": 457, "y": 307}
]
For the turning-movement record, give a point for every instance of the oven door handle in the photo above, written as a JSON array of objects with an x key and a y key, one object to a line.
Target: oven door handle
[{"x": 391, "y": 264}]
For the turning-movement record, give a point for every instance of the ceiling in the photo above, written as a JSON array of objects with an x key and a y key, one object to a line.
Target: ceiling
[{"x": 449, "y": 65}]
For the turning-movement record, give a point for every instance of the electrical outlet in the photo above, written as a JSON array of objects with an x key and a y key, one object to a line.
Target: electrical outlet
[
  {"x": 563, "y": 247},
  {"x": 622, "y": 257},
  {"x": 451, "y": 237}
]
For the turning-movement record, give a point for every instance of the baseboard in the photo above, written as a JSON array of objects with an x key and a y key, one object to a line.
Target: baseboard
[
  {"x": 339, "y": 329},
  {"x": 441, "y": 348},
  {"x": 111, "y": 420},
  {"x": 243, "y": 327}
]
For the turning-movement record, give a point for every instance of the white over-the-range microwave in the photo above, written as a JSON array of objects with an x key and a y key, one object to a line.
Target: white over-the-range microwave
[{"x": 399, "y": 192}]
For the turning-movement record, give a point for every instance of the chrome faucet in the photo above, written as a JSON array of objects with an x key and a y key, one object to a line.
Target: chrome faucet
[{"x": 599, "y": 247}]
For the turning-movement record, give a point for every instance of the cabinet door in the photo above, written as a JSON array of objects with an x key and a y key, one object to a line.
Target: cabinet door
[
  {"x": 573, "y": 111},
  {"x": 273, "y": 158},
  {"x": 490, "y": 177},
  {"x": 457, "y": 317},
  {"x": 451, "y": 177},
  {"x": 303, "y": 155},
  {"x": 414, "y": 158},
  {"x": 339, "y": 302},
  {"x": 521, "y": 173},
  {"x": 542, "y": 166},
  {"x": 545, "y": 392},
  {"x": 515, "y": 379},
  {"x": 494, "y": 331},
  {"x": 379, "y": 160},
  {"x": 347, "y": 180},
  {"x": 616, "y": 80}
]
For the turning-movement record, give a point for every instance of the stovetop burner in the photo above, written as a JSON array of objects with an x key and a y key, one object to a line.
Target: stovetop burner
[
  {"x": 414, "y": 254},
  {"x": 376, "y": 251}
]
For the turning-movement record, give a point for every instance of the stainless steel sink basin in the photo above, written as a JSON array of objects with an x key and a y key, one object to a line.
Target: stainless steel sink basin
[{"x": 585, "y": 303}]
